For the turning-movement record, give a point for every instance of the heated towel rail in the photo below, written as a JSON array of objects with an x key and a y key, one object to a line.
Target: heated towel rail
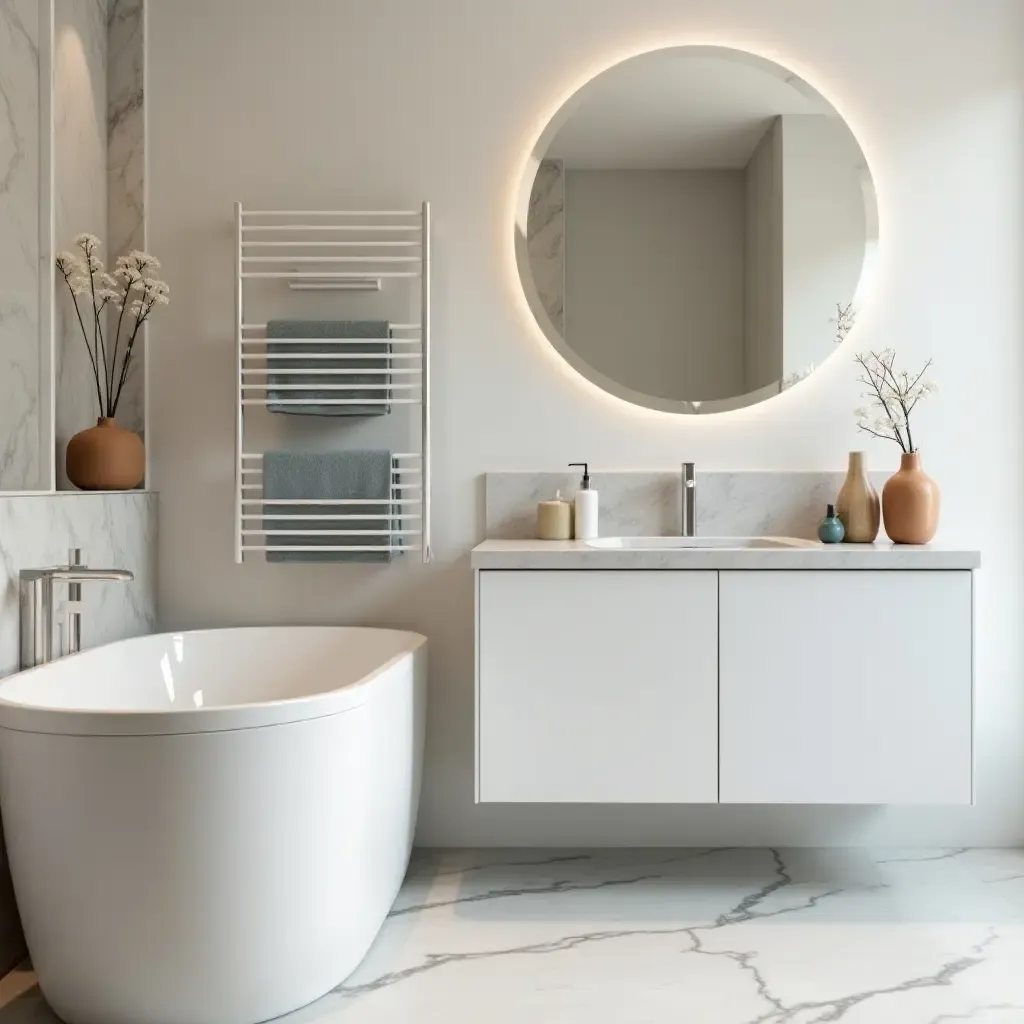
[{"x": 319, "y": 250}]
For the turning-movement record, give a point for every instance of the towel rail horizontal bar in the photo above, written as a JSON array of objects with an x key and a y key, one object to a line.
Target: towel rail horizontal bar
[
  {"x": 311, "y": 386},
  {"x": 411, "y": 228},
  {"x": 408, "y": 471},
  {"x": 363, "y": 284},
  {"x": 312, "y": 342},
  {"x": 331, "y": 213},
  {"x": 395, "y": 471},
  {"x": 343, "y": 370},
  {"x": 330, "y": 401},
  {"x": 313, "y": 516},
  {"x": 330, "y": 501},
  {"x": 343, "y": 501},
  {"x": 333, "y": 244},
  {"x": 278, "y": 356},
  {"x": 285, "y": 258},
  {"x": 333, "y": 547},
  {"x": 394, "y": 327},
  {"x": 394, "y": 455},
  {"x": 331, "y": 533},
  {"x": 334, "y": 275}
]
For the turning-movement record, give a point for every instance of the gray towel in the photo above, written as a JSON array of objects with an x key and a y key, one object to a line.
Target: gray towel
[
  {"x": 349, "y": 474},
  {"x": 378, "y": 369}
]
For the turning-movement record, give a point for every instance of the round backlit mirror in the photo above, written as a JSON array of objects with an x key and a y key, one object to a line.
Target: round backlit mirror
[{"x": 695, "y": 228}]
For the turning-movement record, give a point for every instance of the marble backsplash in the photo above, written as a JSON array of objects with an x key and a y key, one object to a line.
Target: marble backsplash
[
  {"x": 113, "y": 530},
  {"x": 648, "y": 504}
]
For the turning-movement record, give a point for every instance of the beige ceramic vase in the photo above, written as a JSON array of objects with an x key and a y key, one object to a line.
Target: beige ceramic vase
[
  {"x": 857, "y": 504},
  {"x": 106, "y": 458},
  {"x": 910, "y": 503}
]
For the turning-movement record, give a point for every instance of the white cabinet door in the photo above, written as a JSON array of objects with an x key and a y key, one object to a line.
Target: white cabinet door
[
  {"x": 597, "y": 687},
  {"x": 846, "y": 687}
]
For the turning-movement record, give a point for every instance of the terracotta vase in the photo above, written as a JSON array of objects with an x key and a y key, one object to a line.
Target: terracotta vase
[
  {"x": 106, "y": 458},
  {"x": 910, "y": 503},
  {"x": 857, "y": 504}
]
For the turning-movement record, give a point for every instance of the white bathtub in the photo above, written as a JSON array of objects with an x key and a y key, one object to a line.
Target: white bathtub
[{"x": 210, "y": 827}]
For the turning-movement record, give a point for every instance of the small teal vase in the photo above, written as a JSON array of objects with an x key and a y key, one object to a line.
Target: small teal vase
[{"x": 831, "y": 529}]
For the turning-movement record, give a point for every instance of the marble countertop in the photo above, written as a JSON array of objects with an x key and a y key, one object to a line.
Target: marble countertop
[{"x": 572, "y": 554}]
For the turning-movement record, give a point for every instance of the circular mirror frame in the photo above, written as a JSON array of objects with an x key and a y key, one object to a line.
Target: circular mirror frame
[{"x": 525, "y": 272}]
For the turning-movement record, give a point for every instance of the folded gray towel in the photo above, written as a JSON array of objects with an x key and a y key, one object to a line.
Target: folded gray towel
[
  {"x": 378, "y": 369},
  {"x": 341, "y": 475}
]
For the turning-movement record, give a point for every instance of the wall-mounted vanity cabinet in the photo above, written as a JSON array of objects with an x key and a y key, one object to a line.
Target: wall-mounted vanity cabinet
[{"x": 732, "y": 685}]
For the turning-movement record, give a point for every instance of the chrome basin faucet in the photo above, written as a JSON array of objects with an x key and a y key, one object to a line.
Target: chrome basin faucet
[
  {"x": 689, "y": 525},
  {"x": 38, "y": 610}
]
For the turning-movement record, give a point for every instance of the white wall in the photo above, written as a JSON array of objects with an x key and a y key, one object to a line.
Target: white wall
[
  {"x": 654, "y": 278},
  {"x": 823, "y": 232},
  {"x": 762, "y": 328},
  {"x": 250, "y": 101}
]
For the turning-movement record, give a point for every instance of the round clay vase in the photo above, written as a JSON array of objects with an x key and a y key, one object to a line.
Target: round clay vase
[
  {"x": 857, "y": 504},
  {"x": 910, "y": 503},
  {"x": 106, "y": 458}
]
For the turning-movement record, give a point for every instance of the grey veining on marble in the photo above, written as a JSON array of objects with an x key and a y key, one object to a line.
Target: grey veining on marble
[
  {"x": 545, "y": 239},
  {"x": 21, "y": 432},
  {"x": 126, "y": 227},
  {"x": 546, "y": 554},
  {"x": 648, "y": 504},
  {"x": 113, "y": 530},
  {"x": 80, "y": 193},
  {"x": 709, "y": 936}
]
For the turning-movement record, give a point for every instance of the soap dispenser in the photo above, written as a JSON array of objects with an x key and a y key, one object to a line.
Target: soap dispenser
[{"x": 586, "y": 505}]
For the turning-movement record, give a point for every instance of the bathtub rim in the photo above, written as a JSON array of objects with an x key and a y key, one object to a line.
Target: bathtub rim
[{"x": 18, "y": 716}]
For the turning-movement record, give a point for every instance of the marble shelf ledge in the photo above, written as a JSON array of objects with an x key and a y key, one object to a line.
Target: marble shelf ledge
[{"x": 546, "y": 554}]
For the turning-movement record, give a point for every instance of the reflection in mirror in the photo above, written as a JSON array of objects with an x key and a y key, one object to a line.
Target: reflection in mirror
[
  {"x": 26, "y": 442},
  {"x": 692, "y": 225}
]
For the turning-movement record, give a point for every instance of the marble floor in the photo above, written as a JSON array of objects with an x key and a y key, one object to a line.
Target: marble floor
[{"x": 729, "y": 936}]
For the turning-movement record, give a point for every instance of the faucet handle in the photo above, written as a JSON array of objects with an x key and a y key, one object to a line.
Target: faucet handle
[{"x": 75, "y": 558}]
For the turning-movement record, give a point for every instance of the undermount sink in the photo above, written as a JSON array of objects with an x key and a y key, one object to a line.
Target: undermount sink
[{"x": 675, "y": 543}]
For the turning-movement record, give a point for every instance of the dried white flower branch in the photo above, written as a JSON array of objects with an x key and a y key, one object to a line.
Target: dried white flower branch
[
  {"x": 132, "y": 289},
  {"x": 893, "y": 395}
]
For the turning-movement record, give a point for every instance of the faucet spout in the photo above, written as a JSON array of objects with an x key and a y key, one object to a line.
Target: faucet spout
[
  {"x": 38, "y": 607},
  {"x": 689, "y": 505},
  {"x": 81, "y": 574}
]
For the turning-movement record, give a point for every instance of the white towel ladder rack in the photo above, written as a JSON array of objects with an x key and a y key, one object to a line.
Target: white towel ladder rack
[{"x": 343, "y": 250}]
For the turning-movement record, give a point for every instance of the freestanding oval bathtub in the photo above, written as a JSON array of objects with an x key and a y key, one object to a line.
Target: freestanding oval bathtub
[{"x": 210, "y": 827}]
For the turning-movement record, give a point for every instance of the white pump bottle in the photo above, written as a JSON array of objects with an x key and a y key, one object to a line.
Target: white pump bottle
[{"x": 586, "y": 506}]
